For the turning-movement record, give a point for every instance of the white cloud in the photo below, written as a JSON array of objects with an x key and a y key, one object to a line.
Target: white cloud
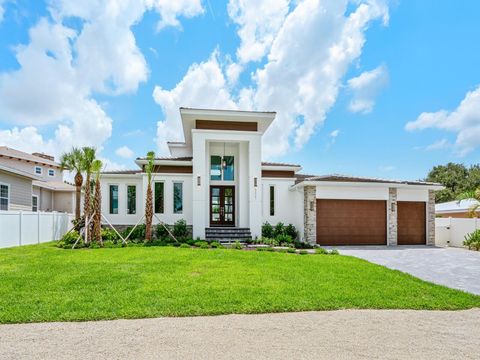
[
  {"x": 61, "y": 68},
  {"x": 438, "y": 145},
  {"x": 334, "y": 133},
  {"x": 309, "y": 52},
  {"x": 365, "y": 89},
  {"x": 464, "y": 121},
  {"x": 204, "y": 85},
  {"x": 170, "y": 11},
  {"x": 124, "y": 152},
  {"x": 259, "y": 22},
  {"x": 2, "y": 10}
]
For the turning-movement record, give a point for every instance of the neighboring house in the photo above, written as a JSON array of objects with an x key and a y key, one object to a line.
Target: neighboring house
[
  {"x": 457, "y": 208},
  {"x": 33, "y": 182},
  {"x": 217, "y": 182}
]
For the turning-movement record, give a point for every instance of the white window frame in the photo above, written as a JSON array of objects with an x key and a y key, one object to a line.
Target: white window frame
[
  {"x": 173, "y": 196},
  {"x": 34, "y": 196},
  {"x": 126, "y": 199},
  {"x": 38, "y": 167},
  {"x": 53, "y": 170},
  {"x": 8, "y": 195},
  {"x": 118, "y": 200}
]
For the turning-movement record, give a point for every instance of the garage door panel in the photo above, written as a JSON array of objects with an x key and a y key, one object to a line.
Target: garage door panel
[
  {"x": 411, "y": 222},
  {"x": 351, "y": 222}
]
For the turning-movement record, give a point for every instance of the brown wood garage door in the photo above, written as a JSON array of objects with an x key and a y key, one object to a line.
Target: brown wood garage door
[
  {"x": 351, "y": 222},
  {"x": 411, "y": 223}
]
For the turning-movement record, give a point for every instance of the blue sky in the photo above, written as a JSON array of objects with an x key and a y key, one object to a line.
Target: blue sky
[{"x": 364, "y": 87}]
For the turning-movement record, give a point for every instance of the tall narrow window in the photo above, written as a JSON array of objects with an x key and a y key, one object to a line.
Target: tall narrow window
[
  {"x": 177, "y": 198},
  {"x": 113, "y": 199},
  {"x": 272, "y": 200},
  {"x": 4, "y": 197},
  {"x": 229, "y": 169},
  {"x": 34, "y": 203},
  {"x": 131, "y": 199},
  {"x": 158, "y": 195},
  {"x": 215, "y": 167}
]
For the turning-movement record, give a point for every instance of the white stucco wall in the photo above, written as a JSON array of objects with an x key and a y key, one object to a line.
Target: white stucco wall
[
  {"x": 140, "y": 181},
  {"x": 248, "y": 164},
  {"x": 288, "y": 203}
]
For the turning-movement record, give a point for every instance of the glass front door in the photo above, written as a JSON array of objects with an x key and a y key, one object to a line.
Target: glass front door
[{"x": 222, "y": 206}]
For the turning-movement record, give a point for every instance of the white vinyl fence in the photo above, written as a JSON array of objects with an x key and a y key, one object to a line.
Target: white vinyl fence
[
  {"x": 27, "y": 228},
  {"x": 452, "y": 231}
]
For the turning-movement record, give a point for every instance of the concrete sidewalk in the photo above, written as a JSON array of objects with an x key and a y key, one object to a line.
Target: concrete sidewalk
[
  {"x": 453, "y": 267},
  {"x": 346, "y": 334}
]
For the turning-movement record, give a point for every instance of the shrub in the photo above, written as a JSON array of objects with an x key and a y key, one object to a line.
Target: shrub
[
  {"x": 302, "y": 245},
  {"x": 110, "y": 244},
  {"x": 334, "y": 252},
  {"x": 472, "y": 240},
  {"x": 279, "y": 230},
  {"x": 189, "y": 241},
  {"x": 161, "y": 232},
  {"x": 216, "y": 245},
  {"x": 70, "y": 238},
  {"x": 94, "y": 245},
  {"x": 291, "y": 231},
  {"x": 108, "y": 234},
  {"x": 137, "y": 235},
  {"x": 269, "y": 241},
  {"x": 303, "y": 252},
  {"x": 204, "y": 246},
  {"x": 200, "y": 243},
  {"x": 180, "y": 229},
  {"x": 237, "y": 246},
  {"x": 291, "y": 250},
  {"x": 284, "y": 239},
  {"x": 267, "y": 230},
  {"x": 184, "y": 246},
  {"x": 321, "y": 251}
]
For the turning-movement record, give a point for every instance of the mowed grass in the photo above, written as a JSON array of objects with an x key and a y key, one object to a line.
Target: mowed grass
[{"x": 42, "y": 283}]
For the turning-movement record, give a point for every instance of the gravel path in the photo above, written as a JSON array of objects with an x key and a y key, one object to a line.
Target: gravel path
[{"x": 345, "y": 334}]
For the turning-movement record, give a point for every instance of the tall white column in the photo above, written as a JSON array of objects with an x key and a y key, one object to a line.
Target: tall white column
[
  {"x": 255, "y": 186},
  {"x": 199, "y": 192}
]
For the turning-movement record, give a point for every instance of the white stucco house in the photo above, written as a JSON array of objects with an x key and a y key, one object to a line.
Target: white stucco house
[{"x": 216, "y": 180}]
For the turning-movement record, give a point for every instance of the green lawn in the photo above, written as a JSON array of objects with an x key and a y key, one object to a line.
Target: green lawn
[{"x": 43, "y": 283}]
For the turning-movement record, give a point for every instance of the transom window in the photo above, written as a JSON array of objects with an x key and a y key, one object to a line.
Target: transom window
[
  {"x": 38, "y": 170},
  {"x": 4, "y": 196},
  {"x": 34, "y": 203},
  {"x": 222, "y": 168},
  {"x": 113, "y": 199},
  {"x": 131, "y": 199}
]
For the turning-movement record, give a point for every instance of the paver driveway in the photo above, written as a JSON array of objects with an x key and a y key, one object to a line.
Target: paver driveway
[{"x": 452, "y": 267}]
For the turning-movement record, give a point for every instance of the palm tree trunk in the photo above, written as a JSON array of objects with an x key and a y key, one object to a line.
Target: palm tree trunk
[
  {"x": 86, "y": 207},
  {"x": 148, "y": 214},
  {"x": 97, "y": 218},
  {"x": 78, "y": 194}
]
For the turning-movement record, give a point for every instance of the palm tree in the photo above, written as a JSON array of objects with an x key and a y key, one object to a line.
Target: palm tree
[
  {"x": 97, "y": 203},
  {"x": 472, "y": 194},
  {"x": 73, "y": 161},
  {"x": 88, "y": 158},
  {"x": 149, "y": 201}
]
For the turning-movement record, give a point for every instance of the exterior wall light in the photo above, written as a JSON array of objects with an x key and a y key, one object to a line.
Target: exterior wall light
[
  {"x": 199, "y": 181},
  {"x": 255, "y": 182}
]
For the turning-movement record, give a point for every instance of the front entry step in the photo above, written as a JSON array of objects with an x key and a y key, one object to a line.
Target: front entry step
[{"x": 226, "y": 235}]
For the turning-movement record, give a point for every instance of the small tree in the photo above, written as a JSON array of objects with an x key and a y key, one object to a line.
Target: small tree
[
  {"x": 97, "y": 204},
  {"x": 73, "y": 161},
  {"x": 88, "y": 158},
  {"x": 474, "y": 194},
  {"x": 149, "y": 199}
]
